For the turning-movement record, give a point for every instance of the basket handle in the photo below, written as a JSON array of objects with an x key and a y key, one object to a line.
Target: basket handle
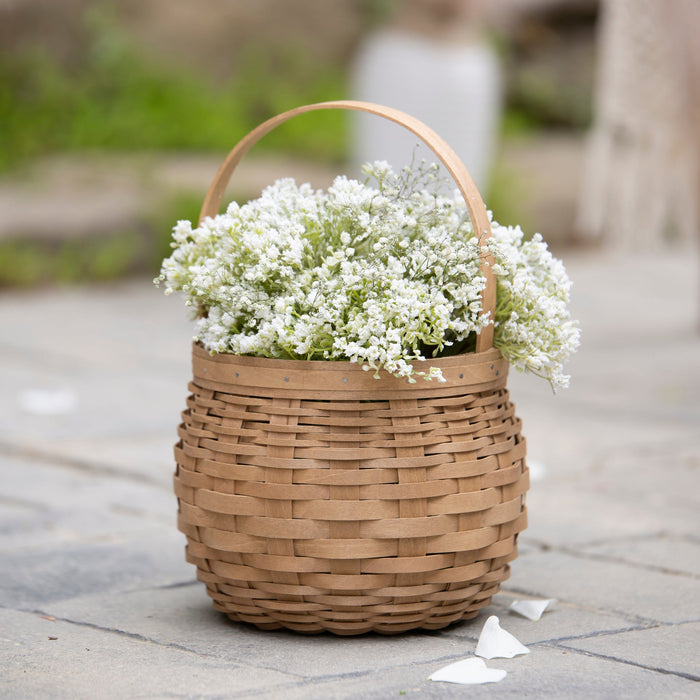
[{"x": 457, "y": 169}]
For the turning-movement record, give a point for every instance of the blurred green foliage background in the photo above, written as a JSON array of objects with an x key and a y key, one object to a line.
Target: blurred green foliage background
[
  {"x": 121, "y": 98},
  {"x": 84, "y": 78}
]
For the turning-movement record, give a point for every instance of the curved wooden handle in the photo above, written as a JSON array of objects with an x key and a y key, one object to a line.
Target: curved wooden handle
[{"x": 472, "y": 198}]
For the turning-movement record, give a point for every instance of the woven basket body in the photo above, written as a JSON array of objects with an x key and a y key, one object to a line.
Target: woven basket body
[{"x": 318, "y": 498}]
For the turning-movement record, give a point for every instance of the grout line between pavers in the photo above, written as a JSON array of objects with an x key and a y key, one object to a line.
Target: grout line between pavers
[
  {"x": 22, "y": 503},
  {"x": 604, "y": 633},
  {"x": 55, "y": 460},
  {"x": 684, "y": 537},
  {"x": 63, "y": 361},
  {"x": 303, "y": 680},
  {"x": 169, "y": 586},
  {"x": 142, "y": 638},
  {"x": 306, "y": 680},
  {"x": 656, "y": 669},
  {"x": 661, "y": 534},
  {"x": 593, "y": 556},
  {"x": 142, "y": 513},
  {"x": 640, "y": 537},
  {"x": 142, "y": 589},
  {"x": 113, "y": 630},
  {"x": 626, "y": 562},
  {"x": 639, "y": 619},
  {"x": 442, "y": 660}
]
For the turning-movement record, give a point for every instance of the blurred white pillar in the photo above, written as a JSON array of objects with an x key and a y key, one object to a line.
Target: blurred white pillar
[{"x": 449, "y": 80}]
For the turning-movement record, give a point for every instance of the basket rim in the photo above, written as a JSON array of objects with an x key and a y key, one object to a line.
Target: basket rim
[{"x": 343, "y": 379}]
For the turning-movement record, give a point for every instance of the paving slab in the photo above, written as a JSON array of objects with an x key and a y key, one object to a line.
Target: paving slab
[
  {"x": 589, "y": 510},
  {"x": 80, "y": 532},
  {"x": 22, "y": 529},
  {"x": 666, "y": 553},
  {"x": 128, "y": 324},
  {"x": 147, "y": 457},
  {"x": 571, "y": 437},
  {"x": 51, "y": 486},
  {"x": 563, "y": 621},
  {"x": 371, "y": 665},
  {"x": 614, "y": 587},
  {"x": 544, "y": 673},
  {"x": 184, "y": 616},
  {"x": 669, "y": 647},
  {"x": 55, "y": 659},
  {"x": 559, "y": 672},
  {"x": 98, "y": 395},
  {"x": 88, "y": 536},
  {"x": 32, "y": 579},
  {"x": 185, "y": 613}
]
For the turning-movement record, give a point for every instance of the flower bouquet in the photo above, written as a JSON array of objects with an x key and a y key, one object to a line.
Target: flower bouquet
[
  {"x": 373, "y": 272},
  {"x": 349, "y": 459}
]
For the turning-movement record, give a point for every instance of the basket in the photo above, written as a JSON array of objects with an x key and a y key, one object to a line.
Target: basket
[{"x": 317, "y": 498}]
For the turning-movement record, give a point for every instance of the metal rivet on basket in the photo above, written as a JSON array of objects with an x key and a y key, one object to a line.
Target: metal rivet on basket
[
  {"x": 491, "y": 366},
  {"x": 345, "y": 379},
  {"x": 461, "y": 376},
  {"x": 236, "y": 373},
  {"x": 204, "y": 370},
  {"x": 496, "y": 372},
  {"x": 286, "y": 379}
]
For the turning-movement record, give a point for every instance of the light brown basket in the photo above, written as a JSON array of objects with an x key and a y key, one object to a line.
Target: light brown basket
[{"x": 315, "y": 497}]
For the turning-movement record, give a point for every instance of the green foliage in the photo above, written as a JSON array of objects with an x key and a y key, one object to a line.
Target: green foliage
[
  {"x": 119, "y": 99},
  {"x": 508, "y": 196},
  {"x": 181, "y": 206},
  {"x": 546, "y": 101},
  {"x": 27, "y": 263},
  {"x": 376, "y": 12}
]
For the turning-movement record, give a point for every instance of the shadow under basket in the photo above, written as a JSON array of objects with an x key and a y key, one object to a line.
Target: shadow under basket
[{"x": 317, "y": 498}]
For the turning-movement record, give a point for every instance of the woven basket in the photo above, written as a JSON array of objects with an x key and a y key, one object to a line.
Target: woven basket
[{"x": 317, "y": 498}]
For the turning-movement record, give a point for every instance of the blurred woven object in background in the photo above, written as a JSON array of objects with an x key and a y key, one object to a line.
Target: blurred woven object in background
[{"x": 641, "y": 176}]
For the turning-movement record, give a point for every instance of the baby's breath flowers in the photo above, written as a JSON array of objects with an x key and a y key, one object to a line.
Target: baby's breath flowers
[{"x": 381, "y": 274}]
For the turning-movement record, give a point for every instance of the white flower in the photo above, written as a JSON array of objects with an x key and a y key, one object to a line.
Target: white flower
[{"x": 378, "y": 275}]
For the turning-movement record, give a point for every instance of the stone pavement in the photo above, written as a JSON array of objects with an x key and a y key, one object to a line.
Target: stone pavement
[{"x": 96, "y": 600}]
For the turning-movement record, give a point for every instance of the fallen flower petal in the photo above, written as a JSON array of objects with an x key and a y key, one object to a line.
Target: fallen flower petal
[
  {"x": 532, "y": 609},
  {"x": 495, "y": 642},
  {"x": 537, "y": 470},
  {"x": 470, "y": 671}
]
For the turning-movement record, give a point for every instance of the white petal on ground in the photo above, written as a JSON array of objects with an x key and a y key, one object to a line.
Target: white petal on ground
[
  {"x": 470, "y": 671},
  {"x": 532, "y": 609},
  {"x": 48, "y": 402},
  {"x": 537, "y": 470},
  {"x": 495, "y": 642}
]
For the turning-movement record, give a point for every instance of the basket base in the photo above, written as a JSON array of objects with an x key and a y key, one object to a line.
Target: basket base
[
  {"x": 358, "y": 621},
  {"x": 385, "y": 630}
]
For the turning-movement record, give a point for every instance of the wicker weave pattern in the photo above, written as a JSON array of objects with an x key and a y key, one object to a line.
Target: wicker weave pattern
[
  {"x": 315, "y": 497},
  {"x": 314, "y": 509}
]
